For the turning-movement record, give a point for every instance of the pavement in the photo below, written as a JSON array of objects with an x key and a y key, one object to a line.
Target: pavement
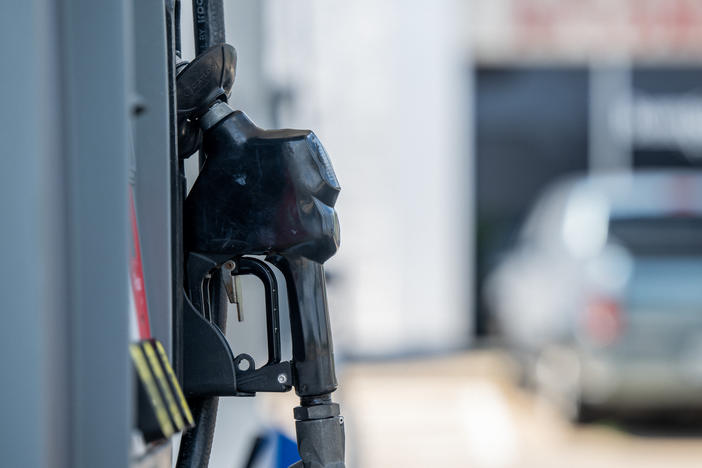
[{"x": 466, "y": 411}]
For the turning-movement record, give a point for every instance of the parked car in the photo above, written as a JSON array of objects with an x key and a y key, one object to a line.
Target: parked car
[{"x": 602, "y": 297}]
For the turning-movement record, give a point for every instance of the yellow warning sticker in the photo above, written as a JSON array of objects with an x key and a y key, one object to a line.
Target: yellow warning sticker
[
  {"x": 147, "y": 378},
  {"x": 163, "y": 384},
  {"x": 174, "y": 382}
]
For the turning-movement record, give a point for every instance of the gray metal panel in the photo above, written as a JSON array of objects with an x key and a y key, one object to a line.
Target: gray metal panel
[
  {"x": 153, "y": 177},
  {"x": 97, "y": 84},
  {"x": 33, "y": 336}
]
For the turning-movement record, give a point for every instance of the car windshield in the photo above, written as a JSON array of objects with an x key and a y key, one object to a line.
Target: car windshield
[{"x": 660, "y": 236}]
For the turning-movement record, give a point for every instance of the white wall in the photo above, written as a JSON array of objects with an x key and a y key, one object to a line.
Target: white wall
[{"x": 383, "y": 84}]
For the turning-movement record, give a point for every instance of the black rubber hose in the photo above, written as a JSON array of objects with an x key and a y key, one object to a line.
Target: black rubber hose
[
  {"x": 256, "y": 450},
  {"x": 208, "y": 24},
  {"x": 196, "y": 444}
]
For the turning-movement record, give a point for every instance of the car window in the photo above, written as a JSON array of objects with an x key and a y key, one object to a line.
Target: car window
[
  {"x": 665, "y": 283},
  {"x": 660, "y": 236}
]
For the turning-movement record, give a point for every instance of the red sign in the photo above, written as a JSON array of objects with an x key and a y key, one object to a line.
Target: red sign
[{"x": 649, "y": 29}]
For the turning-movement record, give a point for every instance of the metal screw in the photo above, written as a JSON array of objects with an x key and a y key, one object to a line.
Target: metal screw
[{"x": 282, "y": 378}]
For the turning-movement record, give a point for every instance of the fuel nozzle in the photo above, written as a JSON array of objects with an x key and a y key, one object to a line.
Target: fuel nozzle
[{"x": 272, "y": 193}]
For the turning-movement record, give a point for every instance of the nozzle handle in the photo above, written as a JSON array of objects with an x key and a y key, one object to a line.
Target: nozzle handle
[{"x": 312, "y": 347}]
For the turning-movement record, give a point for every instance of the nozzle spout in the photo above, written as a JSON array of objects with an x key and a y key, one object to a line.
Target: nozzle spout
[{"x": 320, "y": 436}]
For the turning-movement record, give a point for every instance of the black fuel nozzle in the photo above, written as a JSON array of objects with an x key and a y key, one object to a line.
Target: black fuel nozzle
[{"x": 272, "y": 193}]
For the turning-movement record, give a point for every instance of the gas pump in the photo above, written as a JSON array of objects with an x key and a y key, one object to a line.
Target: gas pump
[{"x": 259, "y": 193}]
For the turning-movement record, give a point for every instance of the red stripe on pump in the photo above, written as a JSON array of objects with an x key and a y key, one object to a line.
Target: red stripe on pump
[{"x": 136, "y": 275}]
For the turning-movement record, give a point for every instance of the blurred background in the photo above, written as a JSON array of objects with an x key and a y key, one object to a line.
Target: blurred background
[
  {"x": 519, "y": 282},
  {"x": 510, "y": 291}
]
